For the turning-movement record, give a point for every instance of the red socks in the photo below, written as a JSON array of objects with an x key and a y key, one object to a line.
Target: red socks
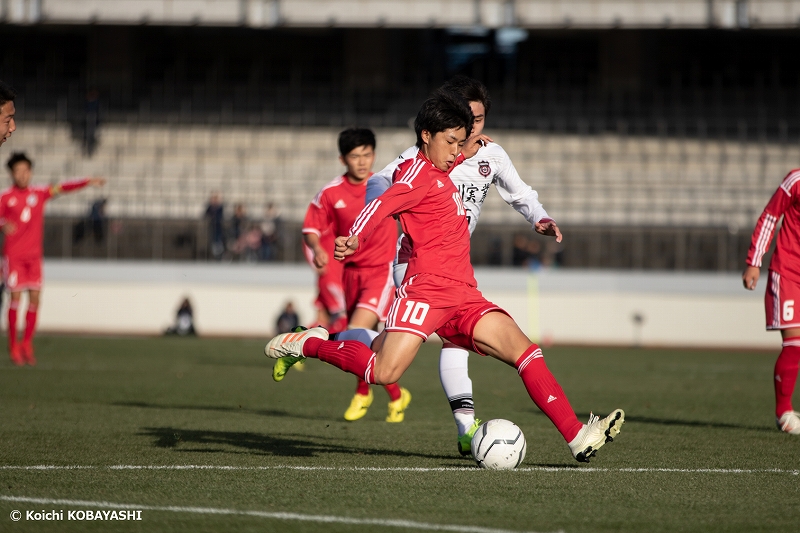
[
  {"x": 30, "y": 323},
  {"x": 392, "y": 390},
  {"x": 12, "y": 324},
  {"x": 546, "y": 393},
  {"x": 350, "y": 356},
  {"x": 362, "y": 388},
  {"x": 786, "y": 374}
]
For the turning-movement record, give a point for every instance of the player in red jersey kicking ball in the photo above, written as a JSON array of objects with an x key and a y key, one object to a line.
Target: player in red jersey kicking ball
[
  {"x": 22, "y": 220},
  {"x": 367, "y": 278},
  {"x": 783, "y": 290},
  {"x": 439, "y": 292}
]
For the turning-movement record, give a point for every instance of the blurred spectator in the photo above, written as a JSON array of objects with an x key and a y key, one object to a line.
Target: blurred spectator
[
  {"x": 526, "y": 251},
  {"x": 288, "y": 320},
  {"x": 248, "y": 246},
  {"x": 184, "y": 321},
  {"x": 98, "y": 220},
  {"x": 530, "y": 252},
  {"x": 238, "y": 221},
  {"x": 216, "y": 235},
  {"x": 271, "y": 229},
  {"x": 95, "y": 222},
  {"x": 91, "y": 122}
]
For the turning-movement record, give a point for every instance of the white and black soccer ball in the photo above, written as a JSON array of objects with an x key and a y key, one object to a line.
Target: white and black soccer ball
[{"x": 498, "y": 445}]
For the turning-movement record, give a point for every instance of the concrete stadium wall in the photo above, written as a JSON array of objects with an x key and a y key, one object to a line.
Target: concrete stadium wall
[
  {"x": 411, "y": 13},
  {"x": 554, "y": 307}
]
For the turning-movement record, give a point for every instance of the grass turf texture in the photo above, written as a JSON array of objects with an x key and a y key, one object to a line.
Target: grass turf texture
[{"x": 165, "y": 401}]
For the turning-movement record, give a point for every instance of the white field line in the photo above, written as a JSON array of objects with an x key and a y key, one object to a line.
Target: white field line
[
  {"x": 327, "y": 519},
  {"x": 579, "y": 469}
]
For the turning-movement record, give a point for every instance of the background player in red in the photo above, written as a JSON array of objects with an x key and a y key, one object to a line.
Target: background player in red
[
  {"x": 22, "y": 220},
  {"x": 783, "y": 290},
  {"x": 439, "y": 292},
  {"x": 368, "y": 283},
  {"x": 331, "y": 309}
]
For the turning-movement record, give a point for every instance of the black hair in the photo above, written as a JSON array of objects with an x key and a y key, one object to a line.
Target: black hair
[
  {"x": 352, "y": 138},
  {"x": 18, "y": 157},
  {"x": 469, "y": 89},
  {"x": 7, "y": 94},
  {"x": 441, "y": 111}
]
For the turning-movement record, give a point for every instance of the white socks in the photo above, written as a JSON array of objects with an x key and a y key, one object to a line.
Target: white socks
[{"x": 454, "y": 374}]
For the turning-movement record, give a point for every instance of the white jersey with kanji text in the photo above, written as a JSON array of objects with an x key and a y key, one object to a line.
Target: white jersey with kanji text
[{"x": 473, "y": 178}]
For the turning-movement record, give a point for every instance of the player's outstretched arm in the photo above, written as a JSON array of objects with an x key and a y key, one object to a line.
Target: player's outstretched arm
[
  {"x": 76, "y": 185},
  {"x": 750, "y": 277},
  {"x": 548, "y": 226},
  {"x": 345, "y": 246}
]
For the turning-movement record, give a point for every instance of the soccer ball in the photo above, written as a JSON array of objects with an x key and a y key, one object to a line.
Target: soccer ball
[{"x": 498, "y": 445}]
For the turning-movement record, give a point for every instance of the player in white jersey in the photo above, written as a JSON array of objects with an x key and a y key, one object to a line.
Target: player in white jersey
[{"x": 473, "y": 178}]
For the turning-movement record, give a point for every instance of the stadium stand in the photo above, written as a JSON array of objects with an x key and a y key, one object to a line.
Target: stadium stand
[{"x": 169, "y": 172}]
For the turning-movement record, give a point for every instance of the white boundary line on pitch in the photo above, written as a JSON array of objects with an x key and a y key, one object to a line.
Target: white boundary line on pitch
[
  {"x": 581, "y": 469},
  {"x": 327, "y": 519}
]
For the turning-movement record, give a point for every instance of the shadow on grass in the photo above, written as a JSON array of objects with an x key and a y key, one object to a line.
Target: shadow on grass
[
  {"x": 686, "y": 423},
  {"x": 221, "y": 408},
  {"x": 259, "y": 444}
]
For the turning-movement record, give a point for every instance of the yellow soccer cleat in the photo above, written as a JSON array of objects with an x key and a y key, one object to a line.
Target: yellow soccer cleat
[
  {"x": 283, "y": 365},
  {"x": 358, "y": 406},
  {"x": 397, "y": 408}
]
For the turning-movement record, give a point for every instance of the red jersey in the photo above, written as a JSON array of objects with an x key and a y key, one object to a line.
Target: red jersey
[
  {"x": 785, "y": 202},
  {"x": 432, "y": 215},
  {"x": 24, "y": 208},
  {"x": 336, "y": 207}
]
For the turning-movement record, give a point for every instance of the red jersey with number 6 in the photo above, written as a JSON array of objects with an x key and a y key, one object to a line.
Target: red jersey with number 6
[
  {"x": 786, "y": 203},
  {"x": 24, "y": 209},
  {"x": 432, "y": 215}
]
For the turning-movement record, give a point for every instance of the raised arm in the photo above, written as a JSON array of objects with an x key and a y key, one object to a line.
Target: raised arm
[
  {"x": 76, "y": 185},
  {"x": 765, "y": 229}
]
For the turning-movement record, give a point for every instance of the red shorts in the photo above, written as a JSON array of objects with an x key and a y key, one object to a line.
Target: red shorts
[
  {"x": 22, "y": 274},
  {"x": 331, "y": 292},
  {"x": 780, "y": 302},
  {"x": 427, "y": 303},
  {"x": 370, "y": 288}
]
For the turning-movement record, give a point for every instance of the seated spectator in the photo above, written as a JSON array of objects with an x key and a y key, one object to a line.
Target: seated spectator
[
  {"x": 184, "y": 321},
  {"x": 288, "y": 319}
]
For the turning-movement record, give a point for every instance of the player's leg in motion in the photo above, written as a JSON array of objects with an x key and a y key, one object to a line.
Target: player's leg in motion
[
  {"x": 454, "y": 375},
  {"x": 391, "y": 353},
  {"x": 14, "y": 347},
  {"x": 786, "y": 367},
  {"x": 399, "y": 398},
  {"x": 497, "y": 334}
]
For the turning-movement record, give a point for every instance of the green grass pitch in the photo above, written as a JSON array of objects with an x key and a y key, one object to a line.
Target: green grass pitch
[{"x": 699, "y": 450}]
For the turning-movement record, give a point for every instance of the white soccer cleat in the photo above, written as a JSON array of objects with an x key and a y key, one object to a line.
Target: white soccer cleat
[
  {"x": 595, "y": 434},
  {"x": 291, "y": 344},
  {"x": 789, "y": 422}
]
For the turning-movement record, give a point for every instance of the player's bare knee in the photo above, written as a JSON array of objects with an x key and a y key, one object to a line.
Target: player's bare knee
[{"x": 386, "y": 376}]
